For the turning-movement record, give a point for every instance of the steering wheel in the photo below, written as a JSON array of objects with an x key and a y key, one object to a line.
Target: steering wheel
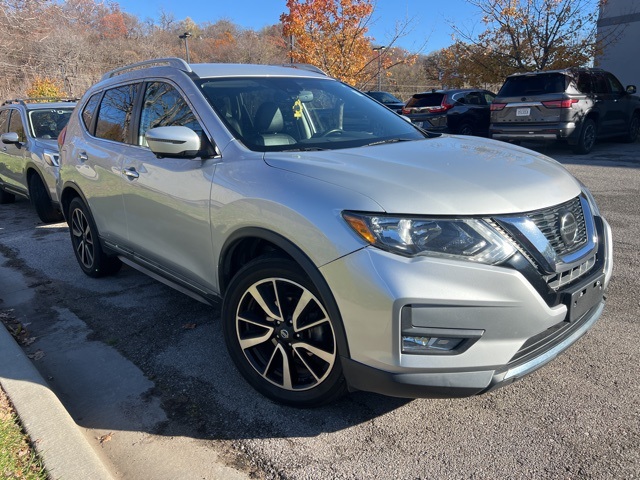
[{"x": 333, "y": 131}]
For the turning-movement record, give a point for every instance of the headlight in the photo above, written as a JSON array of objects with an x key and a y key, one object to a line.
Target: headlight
[
  {"x": 460, "y": 239},
  {"x": 592, "y": 201},
  {"x": 52, "y": 158}
]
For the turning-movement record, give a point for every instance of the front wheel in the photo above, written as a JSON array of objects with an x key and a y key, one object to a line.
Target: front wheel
[
  {"x": 86, "y": 244},
  {"x": 280, "y": 336},
  {"x": 634, "y": 129}
]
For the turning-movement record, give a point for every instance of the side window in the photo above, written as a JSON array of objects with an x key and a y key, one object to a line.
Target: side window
[
  {"x": 16, "y": 125},
  {"x": 89, "y": 111},
  {"x": 600, "y": 84},
  {"x": 4, "y": 121},
  {"x": 114, "y": 116},
  {"x": 473, "y": 98},
  {"x": 488, "y": 97},
  {"x": 164, "y": 107},
  {"x": 584, "y": 83},
  {"x": 614, "y": 83}
]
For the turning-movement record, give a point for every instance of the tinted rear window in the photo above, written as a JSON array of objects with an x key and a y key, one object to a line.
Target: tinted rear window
[
  {"x": 425, "y": 100},
  {"x": 540, "y": 84}
]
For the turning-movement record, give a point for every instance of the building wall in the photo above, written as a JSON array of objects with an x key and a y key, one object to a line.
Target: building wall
[{"x": 619, "y": 30}]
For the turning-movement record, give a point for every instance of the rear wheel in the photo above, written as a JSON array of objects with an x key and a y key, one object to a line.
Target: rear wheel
[
  {"x": 587, "y": 137},
  {"x": 86, "y": 244},
  {"x": 41, "y": 201},
  {"x": 465, "y": 129},
  {"x": 280, "y": 336}
]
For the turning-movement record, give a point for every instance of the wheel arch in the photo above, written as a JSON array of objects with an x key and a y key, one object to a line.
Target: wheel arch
[
  {"x": 250, "y": 243},
  {"x": 69, "y": 192}
]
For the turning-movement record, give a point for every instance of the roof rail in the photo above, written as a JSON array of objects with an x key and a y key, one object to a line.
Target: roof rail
[
  {"x": 169, "y": 61},
  {"x": 305, "y": 66},
  {"x": 23, "y": 101}
]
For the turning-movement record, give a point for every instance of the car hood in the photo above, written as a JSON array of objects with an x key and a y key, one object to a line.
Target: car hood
[
  {"x": 49, "y": 144},
  {"x": 447, "y": 175}
]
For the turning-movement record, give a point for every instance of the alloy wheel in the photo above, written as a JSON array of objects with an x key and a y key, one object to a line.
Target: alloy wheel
[
  {"x": 82, "y": 238},
  {"x": 285, "y": 334}
]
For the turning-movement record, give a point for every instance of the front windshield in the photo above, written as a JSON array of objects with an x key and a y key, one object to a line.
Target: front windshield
[
  {"x": 47, "y": 123},
  {"x": 293, "y": 113}
]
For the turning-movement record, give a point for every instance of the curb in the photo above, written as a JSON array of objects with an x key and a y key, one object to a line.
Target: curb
[{"x": 56, "y": 437}]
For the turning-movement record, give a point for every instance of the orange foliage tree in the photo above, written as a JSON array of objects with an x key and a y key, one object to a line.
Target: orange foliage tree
[
  {"x": 331, "y": 34},
  {"x": 45, "y": 87}
]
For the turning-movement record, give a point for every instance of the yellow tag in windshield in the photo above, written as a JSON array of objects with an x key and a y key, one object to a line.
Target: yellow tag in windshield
[{"x": 297, "y": 109}]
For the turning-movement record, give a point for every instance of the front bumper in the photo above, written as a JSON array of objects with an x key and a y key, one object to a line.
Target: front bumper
[{"x": 512, "y": 330}]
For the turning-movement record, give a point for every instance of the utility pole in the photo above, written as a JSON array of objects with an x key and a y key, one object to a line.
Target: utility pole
[
  {"x": 185, "y": 36},
  {"x": 379, "y": 49}
]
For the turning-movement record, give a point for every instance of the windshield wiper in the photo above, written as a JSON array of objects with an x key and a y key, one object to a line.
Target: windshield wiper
[
  {"x": 389, "y": 140},
  {"x": 305, "y": 149}
]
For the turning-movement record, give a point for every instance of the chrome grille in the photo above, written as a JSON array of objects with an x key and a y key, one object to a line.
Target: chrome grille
[
  {"x": 563, "y": 278},
  {"x": 548, "y": 221}
]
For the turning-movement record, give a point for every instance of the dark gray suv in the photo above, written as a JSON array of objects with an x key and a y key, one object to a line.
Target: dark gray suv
[{"x": 578, "y": 105}]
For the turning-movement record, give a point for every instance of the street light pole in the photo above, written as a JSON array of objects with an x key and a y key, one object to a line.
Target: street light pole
[
  {"x": 379, "y": 49},
  {"x": 186, "y": 36}
]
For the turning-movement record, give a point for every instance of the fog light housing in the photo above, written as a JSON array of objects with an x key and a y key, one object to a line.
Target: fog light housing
[{"x": 416, "y": 344}]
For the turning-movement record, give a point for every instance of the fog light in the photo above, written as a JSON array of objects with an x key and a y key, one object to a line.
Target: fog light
[{"x": 414, "y": 344}]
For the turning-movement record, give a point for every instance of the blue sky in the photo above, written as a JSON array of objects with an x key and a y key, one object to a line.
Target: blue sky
[{"x": 431, "y": 18}]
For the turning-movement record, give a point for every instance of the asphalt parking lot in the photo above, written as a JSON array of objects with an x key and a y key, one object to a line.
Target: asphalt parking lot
[{"x": 143, "y": 372}]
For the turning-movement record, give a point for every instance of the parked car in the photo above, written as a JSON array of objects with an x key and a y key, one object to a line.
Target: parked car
[
  {"x": 576, "y": 105},
  {"x": 29, "y": 131},
  {"x": 463, "y": 111},
  {"x": 351, "y": 249},
  {"x": 388, "y": 100}
]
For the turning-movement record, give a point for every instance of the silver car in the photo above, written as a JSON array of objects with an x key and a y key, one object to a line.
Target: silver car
[
  {"x": 29, "y": 130},
  {"x": 351, "y": 250}
]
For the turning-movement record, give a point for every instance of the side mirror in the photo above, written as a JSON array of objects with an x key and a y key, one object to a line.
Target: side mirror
[
  {"x": 173, "y": 142},
  {"x": 10, "y": 138},
  {"x": 631, "y": 89}
]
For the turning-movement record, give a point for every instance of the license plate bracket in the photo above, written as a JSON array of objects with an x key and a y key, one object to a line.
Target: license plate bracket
[{"x": 582, "y": 299}]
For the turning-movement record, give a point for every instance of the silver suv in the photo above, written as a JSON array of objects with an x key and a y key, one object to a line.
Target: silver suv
[
  {"x": 576, "y": 105},
  {"x": 29, "y": 131},
  {"x": 351, "y": 249}
]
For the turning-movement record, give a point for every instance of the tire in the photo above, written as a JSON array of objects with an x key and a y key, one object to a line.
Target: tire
[
  {"x": 288, "y": 354},
  {"x": 465, "y": 129},
  {"x": 86, "y": 243},
  {"x": 6, "y": 197},
  {"x": 40, "y": 200},
  {"x": 634, "y": 129},
  {"x": 587, "y": 137}
]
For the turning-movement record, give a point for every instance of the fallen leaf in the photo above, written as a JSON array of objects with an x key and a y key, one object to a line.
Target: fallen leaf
[
  {"x": 37, "y": 355},
  {"x": 189, "y": 326},
  {"x": 105, "y": 438}
]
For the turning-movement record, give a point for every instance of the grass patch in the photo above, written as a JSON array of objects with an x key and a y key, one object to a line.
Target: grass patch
[{"x": 18, "y": 460}]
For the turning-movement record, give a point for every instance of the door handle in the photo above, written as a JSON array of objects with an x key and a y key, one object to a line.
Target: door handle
[
  {"x": 82, "y": 156},
  {"x": 131, "y": 173}
]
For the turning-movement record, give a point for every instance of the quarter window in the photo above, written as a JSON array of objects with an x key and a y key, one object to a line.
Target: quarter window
[
  {"x": 89, "y": 111},
  {"x": 114, "y": 117}
]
